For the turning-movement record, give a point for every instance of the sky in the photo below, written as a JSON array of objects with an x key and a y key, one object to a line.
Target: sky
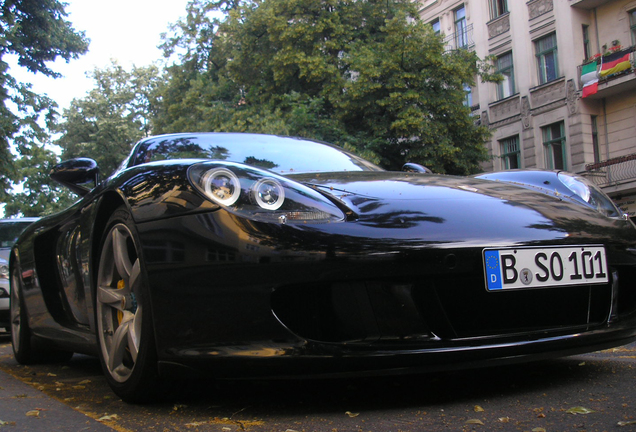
[{"x": 127, "y": 31}]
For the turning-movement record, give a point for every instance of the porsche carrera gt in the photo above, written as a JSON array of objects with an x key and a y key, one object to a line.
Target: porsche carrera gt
[{"x": 245, "y": 255}]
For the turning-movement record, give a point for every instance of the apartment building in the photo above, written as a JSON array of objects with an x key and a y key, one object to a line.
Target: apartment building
[{"x": 568, "y": 97}]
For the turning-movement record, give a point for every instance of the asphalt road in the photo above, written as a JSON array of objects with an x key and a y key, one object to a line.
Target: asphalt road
[{"x": 593, "y": 392}]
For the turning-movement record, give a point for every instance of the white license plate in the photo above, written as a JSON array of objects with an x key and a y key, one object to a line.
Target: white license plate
[{"x": 535, "y": 267}]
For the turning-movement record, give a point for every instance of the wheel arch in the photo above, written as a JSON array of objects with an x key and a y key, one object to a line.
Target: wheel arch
[
  {"x": 109, "y": 202},
  {"x": 108, "y": 205}
]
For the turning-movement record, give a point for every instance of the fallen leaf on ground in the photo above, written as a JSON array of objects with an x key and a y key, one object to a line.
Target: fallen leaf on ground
[
  {"x": 108, "y": 418},
  {"x": 504, "y": 419},
  {"x": 350, "y": 414},
  {"x": 33, "y": 413},
  {"x": 538, "y": 430},
  {"x": 579, "y": 410},
  {"x": 478, "y": 409},
  {"x": 84, "y": 382},
  {"x": 626, "y": 423},
  {"x": 475, "y": 421}
]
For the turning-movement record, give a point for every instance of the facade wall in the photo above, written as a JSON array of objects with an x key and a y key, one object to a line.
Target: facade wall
[{"x": 535, "y": 106}]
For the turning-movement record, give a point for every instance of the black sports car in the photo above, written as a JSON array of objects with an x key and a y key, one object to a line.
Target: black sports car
[{"x": 245, "y": 255}]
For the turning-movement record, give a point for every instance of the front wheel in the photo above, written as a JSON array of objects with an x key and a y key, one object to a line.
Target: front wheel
[{"x": 123, "y": 315}]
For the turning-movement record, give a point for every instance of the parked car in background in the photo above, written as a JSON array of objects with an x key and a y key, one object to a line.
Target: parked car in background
[
  {"x": 244, "y": 255},
  {"x": 5, "y": 291},
  {"x": 10, "y": 229}
]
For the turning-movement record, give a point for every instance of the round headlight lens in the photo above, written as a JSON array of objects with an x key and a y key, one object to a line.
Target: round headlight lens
[
  {"x": 265, "y": 196},
  {"x": 576, "y": 185},
  {"x": 222, "y": 185},
  {"x": 268, "y": 194},
  {"x": 4, "y": 269},
  {"x": 589, "y": 193}
]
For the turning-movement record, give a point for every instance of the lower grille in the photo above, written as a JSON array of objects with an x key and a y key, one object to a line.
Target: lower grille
[
  {"x": 472, "y": 311},
  {"x": 447, "y": 307},
  {"x": 364, "y": 311}
]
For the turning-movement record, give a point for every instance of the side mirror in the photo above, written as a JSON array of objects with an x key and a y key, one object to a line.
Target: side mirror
[
  {"x": 417, "y": 168},
  {"x": 75, "y": 173}
]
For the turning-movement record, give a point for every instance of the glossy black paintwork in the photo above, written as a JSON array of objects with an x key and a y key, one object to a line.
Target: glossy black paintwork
[{"x": 212, "y": 274}]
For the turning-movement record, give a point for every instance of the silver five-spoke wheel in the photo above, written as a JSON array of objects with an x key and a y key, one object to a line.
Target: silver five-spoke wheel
[
  {"x": 123, "y": 315},
  {"x": 119, "y": 314}
]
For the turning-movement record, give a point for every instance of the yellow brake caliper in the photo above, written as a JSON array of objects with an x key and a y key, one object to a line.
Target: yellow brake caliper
[{"x": 120, "y": 314}]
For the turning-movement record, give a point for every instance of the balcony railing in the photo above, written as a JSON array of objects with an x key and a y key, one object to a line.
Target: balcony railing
[
  {"x": 613, "y": 171},
  {"x": 462, "y": 39}
]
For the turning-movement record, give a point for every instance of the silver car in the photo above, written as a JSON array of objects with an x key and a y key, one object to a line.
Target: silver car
[{"x": 10, "y": 229}]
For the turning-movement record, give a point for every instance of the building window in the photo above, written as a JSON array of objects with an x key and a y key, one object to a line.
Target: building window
[
  {"x": 468, "y": 99},
  {"x": 554, "y": 146},
  {"x": 632, "y": 25},
  {"x": 498, "y": 8},
  {"x": 461, "y": 34},
  {"x": 437, "y": 27},
  {"x": 510, "y": 153},
  {"x": 546, "y": 52},
  {"x": 587, "y": 52},
  {"x": 505, "y": 67},
  {"x": 595, "y": 145}
]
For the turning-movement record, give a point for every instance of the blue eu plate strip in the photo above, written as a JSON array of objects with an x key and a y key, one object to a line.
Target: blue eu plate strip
[{"x": 493, "y": 269}]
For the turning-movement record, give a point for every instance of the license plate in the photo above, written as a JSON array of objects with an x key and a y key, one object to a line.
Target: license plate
[{"x": 536, "y": 267}]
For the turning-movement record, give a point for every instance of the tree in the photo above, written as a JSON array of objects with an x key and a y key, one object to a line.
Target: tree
[
  {"x": 366, "y": 75},
  {"x": 112, "y": 117},
  {"x": 34, "y": 33}
]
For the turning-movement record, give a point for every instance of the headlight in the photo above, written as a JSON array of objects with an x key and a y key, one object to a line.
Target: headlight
[
  {"x": 589, "y": 194},
  {"x": 4, "y": 269},
  {"x": 261, "y": 195}
]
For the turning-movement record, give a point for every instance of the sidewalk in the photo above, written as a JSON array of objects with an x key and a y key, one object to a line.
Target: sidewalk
[{"x": 23, "y": 408}]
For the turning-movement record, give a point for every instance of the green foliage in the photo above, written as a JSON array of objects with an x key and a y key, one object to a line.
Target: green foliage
[
  {"x": 34, "y": 33},
  {"x": 369, "y": 76},
  {"x": 366, "y": 75},
  {"x": 40, "y": 195},
  {"x": 111, "y": 118}
]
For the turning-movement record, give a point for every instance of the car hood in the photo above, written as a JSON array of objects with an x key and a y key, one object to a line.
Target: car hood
[{"x": 465, "y": 210}]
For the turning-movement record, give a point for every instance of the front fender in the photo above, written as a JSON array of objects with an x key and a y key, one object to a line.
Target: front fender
[{"x": 160, "y": 190}]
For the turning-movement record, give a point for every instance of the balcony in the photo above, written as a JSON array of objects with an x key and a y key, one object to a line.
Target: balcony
[
  {"x": 462, "y": 39},
  {"x": 588, "y": 4},
  {"x": 612, "y": 172},
  {"x": 618, "y": 83}
]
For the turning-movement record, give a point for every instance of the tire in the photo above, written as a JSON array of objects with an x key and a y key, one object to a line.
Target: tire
[
  {"x": 123, "y": 317},
  {"x": 24, "y": 350}
]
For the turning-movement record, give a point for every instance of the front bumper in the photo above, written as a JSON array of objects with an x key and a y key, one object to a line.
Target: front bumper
[
  {"x": 319, "y": 360},
  {"x": 242, "y": 300}
]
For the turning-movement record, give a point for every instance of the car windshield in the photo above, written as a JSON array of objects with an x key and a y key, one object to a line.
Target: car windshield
[
  {"x": 280, "y": 154},
  {"x": 9, "y": 232}
]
